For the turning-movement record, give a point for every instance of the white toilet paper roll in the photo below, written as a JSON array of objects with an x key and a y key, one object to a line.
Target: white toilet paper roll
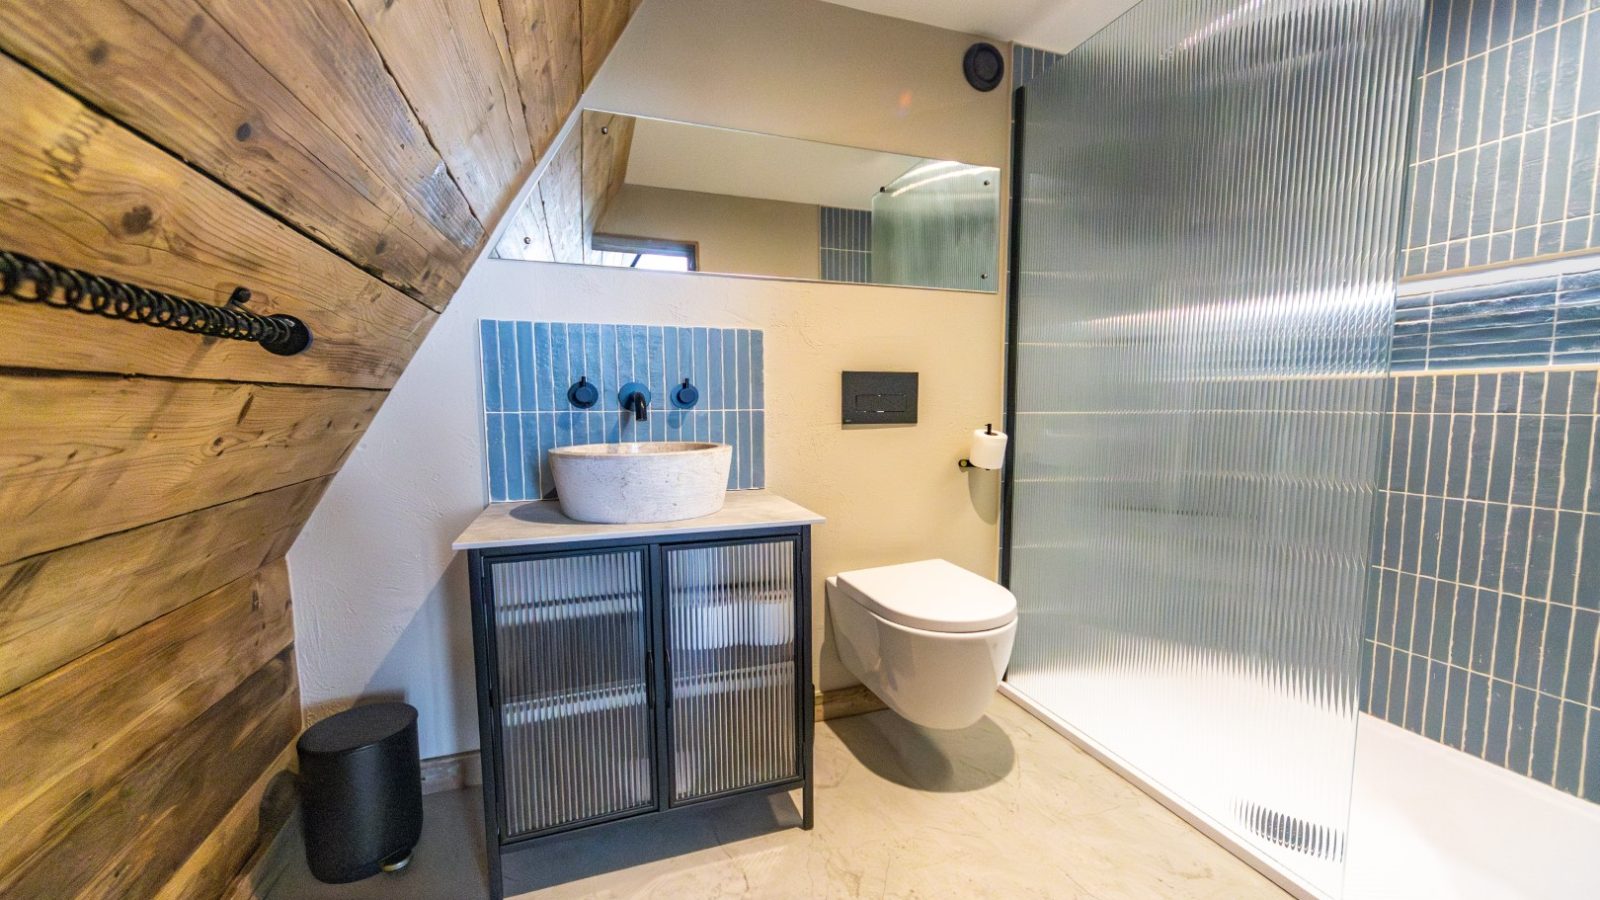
[{"x": 988, "y": 449}]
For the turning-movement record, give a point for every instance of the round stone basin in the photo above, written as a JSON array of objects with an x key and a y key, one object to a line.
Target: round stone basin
[{"x": 647, "y": 481}]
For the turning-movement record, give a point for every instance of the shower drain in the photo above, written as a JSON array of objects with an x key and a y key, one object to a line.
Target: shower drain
[{"x": 1292, "y": 832}]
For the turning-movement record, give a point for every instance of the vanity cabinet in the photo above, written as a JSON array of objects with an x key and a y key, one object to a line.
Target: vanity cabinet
[{"x": 639, "y": 676}]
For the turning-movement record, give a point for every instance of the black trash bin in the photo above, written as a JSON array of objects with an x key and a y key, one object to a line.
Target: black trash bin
[{"x": 361, "y": 791}]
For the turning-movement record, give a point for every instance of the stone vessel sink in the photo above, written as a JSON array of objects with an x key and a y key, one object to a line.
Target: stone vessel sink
[{"x": 656, "y": 481}]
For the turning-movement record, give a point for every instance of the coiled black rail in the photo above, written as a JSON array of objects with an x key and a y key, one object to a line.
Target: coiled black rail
[{"x": 30, "y": 280}]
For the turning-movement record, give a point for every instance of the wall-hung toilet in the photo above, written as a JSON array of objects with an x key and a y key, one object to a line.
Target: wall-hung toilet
[{"x": 930, "y": 638}]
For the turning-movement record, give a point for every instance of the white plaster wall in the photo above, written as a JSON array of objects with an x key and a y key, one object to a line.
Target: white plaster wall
[{"x": 381, "y": 602}]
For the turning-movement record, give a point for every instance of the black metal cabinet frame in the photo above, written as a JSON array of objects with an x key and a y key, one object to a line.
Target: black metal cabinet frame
[{"x": 658, "y": 679}]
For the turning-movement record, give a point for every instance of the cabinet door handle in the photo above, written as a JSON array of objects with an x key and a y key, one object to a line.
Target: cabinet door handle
[
  {"x": 666, "y": 675},
  {"x": 650, "y": 679}
]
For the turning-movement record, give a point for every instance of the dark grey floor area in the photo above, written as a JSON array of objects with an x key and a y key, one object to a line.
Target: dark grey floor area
[{"x": 448, "y": 863}]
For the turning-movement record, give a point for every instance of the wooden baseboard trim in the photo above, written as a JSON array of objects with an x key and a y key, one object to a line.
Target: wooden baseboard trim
[{"x": 850, "y": 701}]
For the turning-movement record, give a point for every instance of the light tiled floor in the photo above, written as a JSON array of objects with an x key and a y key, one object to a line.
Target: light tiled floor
[{"x": 1007, "y": 808}]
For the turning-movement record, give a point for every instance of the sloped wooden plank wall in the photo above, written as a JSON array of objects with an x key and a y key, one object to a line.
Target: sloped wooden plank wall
[
  {"x": 345, "y": 160},
  {"x": 557, "y": 218}
]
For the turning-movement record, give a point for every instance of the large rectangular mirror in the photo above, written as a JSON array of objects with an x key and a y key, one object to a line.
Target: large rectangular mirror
[{"x": 653, "y": 194}]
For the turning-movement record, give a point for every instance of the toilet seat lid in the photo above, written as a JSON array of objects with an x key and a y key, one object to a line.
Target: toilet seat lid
[{"x": 933, "y": 595}]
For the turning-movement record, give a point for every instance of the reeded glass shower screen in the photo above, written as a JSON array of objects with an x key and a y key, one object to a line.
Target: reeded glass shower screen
[{"x": 1210, "y": 195}]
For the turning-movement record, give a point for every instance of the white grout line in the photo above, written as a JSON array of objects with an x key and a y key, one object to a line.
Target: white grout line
[
  {"x": 1561, "y": 477},
  {"x": 1490, "y": 48},
  {"x": 1494, "y": 626},
  {"x": 1495, "y": 266},
  {"x": 1438, "y": 551},
  {"x": 1550, "y": 601},
  {"x": 1383, "y": 540},
  {"x": 1527, "y": 556},
  {"x": 1461, "y": 538},
  {"x": 1490, "y": 676},
  {"x": 1422, "y": 524},
  {"x": 1594, "y": 659}
]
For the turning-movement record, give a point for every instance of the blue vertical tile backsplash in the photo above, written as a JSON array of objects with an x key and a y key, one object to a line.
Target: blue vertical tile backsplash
[{"x": 528, "y": 367}]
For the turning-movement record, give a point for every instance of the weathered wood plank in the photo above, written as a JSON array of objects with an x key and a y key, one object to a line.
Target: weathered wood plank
[
  {"x": 603, "y": 21},
  {"x": 546, "y": 39},
  {"x": 527, "y": 237},
  {"x": 57, "y": 606},
  {"x": 85, "y": 456},
  {"x": 74, "y": 738},
  {"x": 244, "y": 833},
  {"x": 78, "y": 189},
  {"x": 169, "y": 69},
  {"x": 220, "y": 754},
  {"x": 607, "y": 140},
  {"x": 451, "y": 61},
  {"x": 560, "y": 189},
  {"x": 132, "y": 838}
]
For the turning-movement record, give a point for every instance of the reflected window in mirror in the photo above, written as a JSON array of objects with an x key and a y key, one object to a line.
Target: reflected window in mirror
[
  {"x": 655, "y": 254},
  {"x": 636, "y": 192}
]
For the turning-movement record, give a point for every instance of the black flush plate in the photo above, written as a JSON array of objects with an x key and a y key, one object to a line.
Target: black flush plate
[{"x": 879, "y": 398}]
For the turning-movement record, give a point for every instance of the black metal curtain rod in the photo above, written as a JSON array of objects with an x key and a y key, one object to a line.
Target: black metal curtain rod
[{"x": 30, "y": 280}]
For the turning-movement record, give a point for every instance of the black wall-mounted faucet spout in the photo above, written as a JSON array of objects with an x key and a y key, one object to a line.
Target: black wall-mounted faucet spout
[
  {"x": 639, "y": 405},
  {"x": 635, "y": 398}
]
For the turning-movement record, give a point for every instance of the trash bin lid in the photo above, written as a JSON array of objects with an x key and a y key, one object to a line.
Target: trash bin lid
[{"x": 355, "y": 728}]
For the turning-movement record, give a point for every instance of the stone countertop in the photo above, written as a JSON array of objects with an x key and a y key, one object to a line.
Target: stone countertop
[{"x": 525, "y": 523}]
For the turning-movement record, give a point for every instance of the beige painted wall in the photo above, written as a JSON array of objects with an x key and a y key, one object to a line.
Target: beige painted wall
[
  {"x": 381, "y": 602},
  {"x": 736, "y": 235},
  {"x": 809, "y": 70}
]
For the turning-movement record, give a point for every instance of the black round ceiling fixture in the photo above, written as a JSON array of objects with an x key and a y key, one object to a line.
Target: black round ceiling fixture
[{"x": 984, "y": 67}]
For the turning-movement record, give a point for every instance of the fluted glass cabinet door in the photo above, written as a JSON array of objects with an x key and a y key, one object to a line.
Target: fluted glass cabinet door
[
  {"x": 735, "y": 690},
  {"x": 572, "y": 638}
]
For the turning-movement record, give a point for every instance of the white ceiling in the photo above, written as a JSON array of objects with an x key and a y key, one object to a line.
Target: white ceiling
[
  {"x": 1058, "y": 25},
  {"x": 745, "y": 164}
]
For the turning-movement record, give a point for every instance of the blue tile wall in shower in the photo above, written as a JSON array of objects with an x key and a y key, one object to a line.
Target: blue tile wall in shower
[
  {"x": 845, "y": 239},
  {"x": 1482, "y": 627},
  {"x": 1482, "y": 633},
  {"x": 1504, "y": 147},
  {"x": 528, "y": 367},
  {"x": 1530, "y": 322}
]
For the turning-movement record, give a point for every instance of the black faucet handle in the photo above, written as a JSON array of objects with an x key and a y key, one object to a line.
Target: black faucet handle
[
  {"x": 685, "y": 395},
  {"x": 583, "y": 395}
]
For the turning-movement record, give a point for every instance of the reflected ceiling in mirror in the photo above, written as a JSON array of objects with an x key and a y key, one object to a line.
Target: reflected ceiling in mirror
[{"x": 648, "y": 193}]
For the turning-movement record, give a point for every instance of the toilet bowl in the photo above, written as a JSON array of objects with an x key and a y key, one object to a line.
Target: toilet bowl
[{"x": 929, "y": 638}]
